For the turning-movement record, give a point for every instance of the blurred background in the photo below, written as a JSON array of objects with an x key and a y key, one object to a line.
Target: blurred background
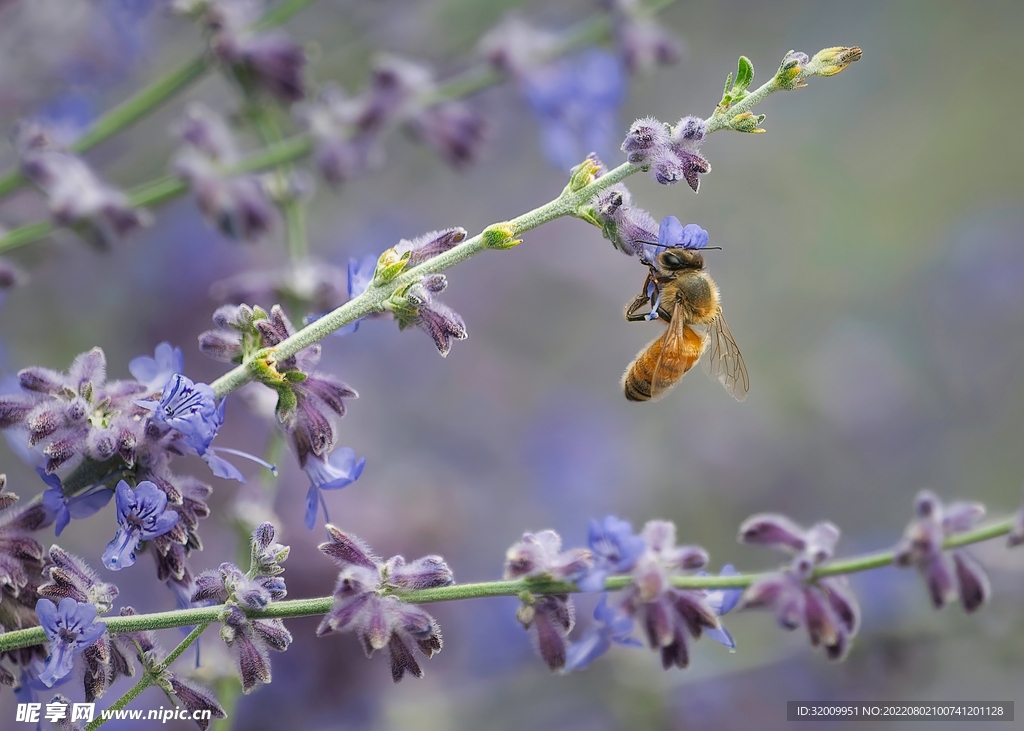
[{"x": 872, "y": 274}]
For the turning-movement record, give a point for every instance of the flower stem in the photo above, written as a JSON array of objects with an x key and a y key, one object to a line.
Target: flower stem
[
  {"x": 321, "y": 605},
  {"x": 150, "y": 676}
]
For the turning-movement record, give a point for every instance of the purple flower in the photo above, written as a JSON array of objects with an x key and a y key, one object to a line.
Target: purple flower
[
  {"x": 667, "y": 615},
  {"x": 425, "y": 311},
  {"x": 77, "y": 197},
  {"x": 70, "y": 577},
  {"x": 615, "y": 549},
  {"x": 641, "y": 39},
  {"x": 947, "y": 574},
  {"x": 673, "y": 234},
  {"x": 63, "y": 508},
  {"x": 70, "y": 628},
  {"x": 455, "y": 129},
  {"x": 236, "y": 206},
  {"x": 142, "y": 516},
  {"x": 340, "y": 470},
  {"x": 380, "y": 620},
  {"x": 427, "y": 246},
  {"x": 540, "y": 556},
  {"x": 612, "y": 626},
  {"x": 576, "y": 101},
  {"x": 155, "y": 372},
  {"x": 722, "y": 601},
  {"x": 192, "y": 411},
  {"x": 826, "y": 606}
]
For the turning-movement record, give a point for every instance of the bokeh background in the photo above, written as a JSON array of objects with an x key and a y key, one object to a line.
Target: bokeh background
[{"x": 872, "y": 273}]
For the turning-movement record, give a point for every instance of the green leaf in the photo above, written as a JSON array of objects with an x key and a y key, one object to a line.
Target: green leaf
[
  {"x": 744, "y": 74},
  {"x": 728, "y": 85}
]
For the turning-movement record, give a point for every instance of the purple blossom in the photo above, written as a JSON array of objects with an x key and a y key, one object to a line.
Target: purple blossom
[
  {"x": 192, "y": 411},
  {"x": 425, "y": 311},
  {"x": 456, "y": 129},
  {"x": 540, "y": 556},
  {"x": 236, "y": 206},
  {"x": 722, "y": 601},
  {"x": 155, "y": 372},
  {"x": 70, "y": 577},
  {"x": 641, "y": 39},
  {"x": 62, "y": 508},
  {"x": 614, "y": 548},
  {"x": 948, "y": 574},
  {"x": 383, "y": 620},
  {"x": 142, "y": 516},
  {"x": 825, "y": 606},
  {"x": 340, "y": 470},
  {"x": 70, "y": 627},
  {"x": 673, "y": 234},
  {"x": 576, "y": 101},
  {"x": 77, "y": 197},
  {"x": 427, "y": 246},
  {"x": 611, "y": 626}
]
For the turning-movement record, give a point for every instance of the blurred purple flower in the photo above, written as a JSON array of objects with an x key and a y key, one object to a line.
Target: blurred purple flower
[
  {"x": 576, "y": 100},
  {"x": 722, "y": 601},
  {"x": 615, "y": 549},
  {"x": 612, "y": 626},
  {"x": 63, "y": 508},
  {"x": 947, "y": 574},
  {"x": 142, "y": 516},
  {"x": 70, "y": 627},
  {"x": 340, "y": 470}
]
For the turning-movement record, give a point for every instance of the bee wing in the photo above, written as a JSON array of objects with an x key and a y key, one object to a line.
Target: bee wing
[
  {"x": 723, "y": 360},
  {"x": 671, "y": 363}
]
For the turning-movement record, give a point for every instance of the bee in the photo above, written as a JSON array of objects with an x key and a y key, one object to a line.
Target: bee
[{"x": 680, "y": 293}]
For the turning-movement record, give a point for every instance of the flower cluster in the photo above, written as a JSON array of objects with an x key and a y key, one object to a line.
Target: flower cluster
[
  {"x": 347, "y": 130},
  {"x": 365, "y": 601},
  {"x": 948, "y": 574},
  {"x": 95, "y": 431},
  {"x": 825, "y": 605},
  {"x": 308, "y": 401},
  {"x": 269, "y": 62},
  {"x": 236, "y": 205},
  {"x": 77, "y": 197},
  {"x": 668, "y": 616},
  {"x": 249, "y": 640},
  {"x": 670, "y": 153}
]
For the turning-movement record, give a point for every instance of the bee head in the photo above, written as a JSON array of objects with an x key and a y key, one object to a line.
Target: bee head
[{"x": 678, "y": 258}]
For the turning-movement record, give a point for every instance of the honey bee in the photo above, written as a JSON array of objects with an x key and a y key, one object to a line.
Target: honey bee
[{"x": 680, "y": 292}]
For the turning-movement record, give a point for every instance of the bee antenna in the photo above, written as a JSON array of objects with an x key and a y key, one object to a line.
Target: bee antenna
[{"x": 713, "y": 247}]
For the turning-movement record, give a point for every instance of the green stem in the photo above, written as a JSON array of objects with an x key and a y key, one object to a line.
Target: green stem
[
  {"x": 374, "y": 298},
  {"x": 150, "y": 676},
  {"x": 321, "y": 605},
  {"x": 720, "y": 119},
  {"x": 149, "y": 98}
]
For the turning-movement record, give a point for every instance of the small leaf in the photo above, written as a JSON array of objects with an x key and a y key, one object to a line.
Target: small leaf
[
  {"x": 744, "y": 74},
  {"x": 728, "y": 86}
]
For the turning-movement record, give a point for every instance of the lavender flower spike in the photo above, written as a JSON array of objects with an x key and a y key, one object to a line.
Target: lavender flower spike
[
  {"x": 340, "y": 470},
  {"x": 70, "y": 628},
  {"x": 142, "y": 515}
]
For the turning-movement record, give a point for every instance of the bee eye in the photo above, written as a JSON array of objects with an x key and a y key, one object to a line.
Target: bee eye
[{"x": 670, "y": 260}]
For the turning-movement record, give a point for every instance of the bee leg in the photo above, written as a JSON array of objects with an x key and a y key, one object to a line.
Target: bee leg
[{"x": 632, "y": 314}]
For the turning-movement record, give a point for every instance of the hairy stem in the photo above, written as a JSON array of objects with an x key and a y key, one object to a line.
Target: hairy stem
[
  {"x": 150, "y": 676},
  {"x": 321, "y": 605}
]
